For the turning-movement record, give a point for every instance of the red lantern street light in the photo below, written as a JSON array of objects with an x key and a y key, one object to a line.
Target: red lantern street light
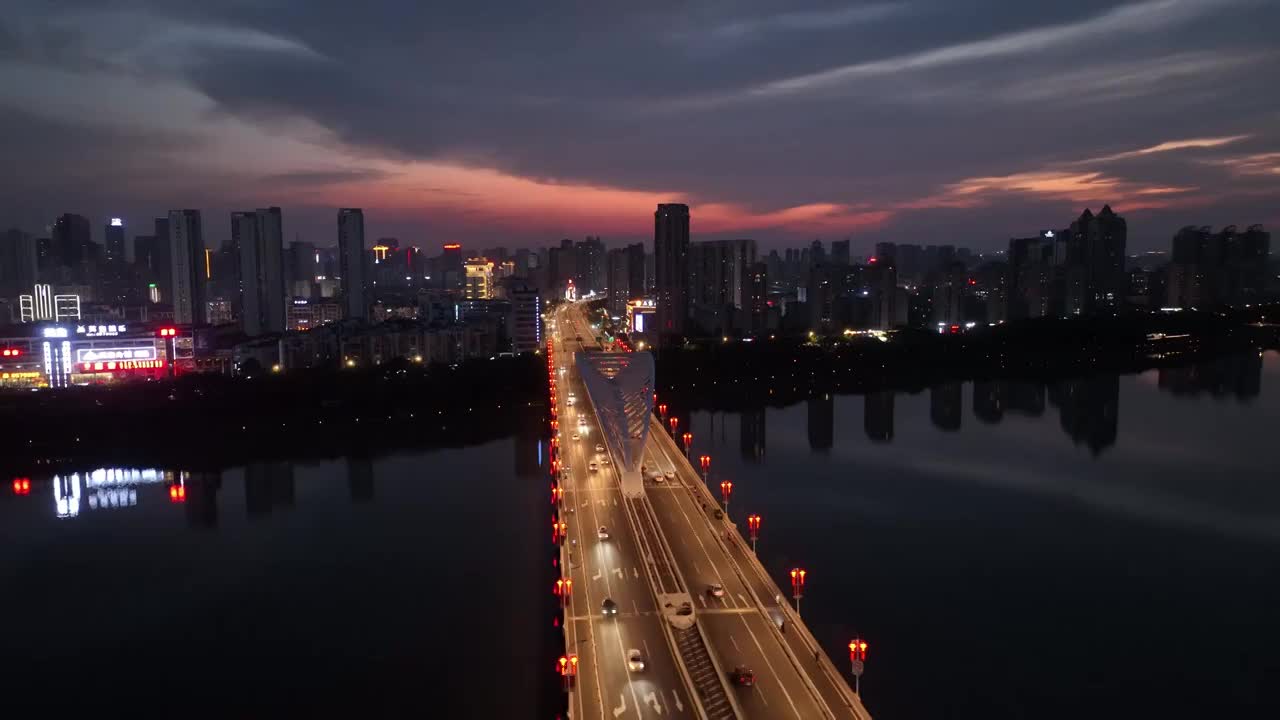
[
  {"x": 662, "y": 409},
  {"x": 557, "y": 495},
  {"x": 753, "y": 525},
  {"x": 797, "y": 585},
  {"x": 688, "y": 440},
  {"x": 559, "y": 531},
  {"x": 857, "y": 660},
  {"x": 177, "y": 493},
  {"x": 705, "y": 462},
  {"x": 22, "y": 486},
  {"x": 673, "y": 422},
  {"x": 726, "y": 489}
]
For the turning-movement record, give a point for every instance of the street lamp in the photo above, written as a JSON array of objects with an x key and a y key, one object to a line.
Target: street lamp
[
  {"x": 705, "y": 462},
  {"x": 662, "y": 410},
  {"x": 726, "y": 489},
  {"x": 673, "y": 422},
  {"x": 797, "y": 586},
  {"x": 857, "y": 660},
  {"x": 557, "y": 494},
  {"x": 688, "y": 440},
  {"x": 559, "y": 531},
  {"x": 753, "y": 525},
  {"x": 564, "y": 589}
]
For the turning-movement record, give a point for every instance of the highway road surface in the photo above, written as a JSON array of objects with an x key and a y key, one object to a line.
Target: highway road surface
[{"x": 794, "y": 680}]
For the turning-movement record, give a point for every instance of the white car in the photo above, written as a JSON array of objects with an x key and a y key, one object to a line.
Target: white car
[
  {"x": 670, "y": 475},
  {"x": 599, "y": 448},
  {"x": 715, "y": 590},
  {"x": 635, "y": 660},
  {"x": 576, "y": 436},
  {"x": 657, "y": 477},
  {"x": 603, "y": 533},
  {"x": 593, "y": 467}
]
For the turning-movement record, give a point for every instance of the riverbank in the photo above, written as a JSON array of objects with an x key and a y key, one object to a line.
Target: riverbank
[
  {"x": 738, "y": 374},
  {"x": 211, "y": 421}
]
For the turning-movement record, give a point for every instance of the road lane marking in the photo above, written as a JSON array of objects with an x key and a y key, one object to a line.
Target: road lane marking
[
  {"x": 598, "y": 575},
  {"x": 734, "y": 643},
  {"x": 744, "y": 600},
  {"x": 623, "y": 708},
  {"x": 676, "y": 697},
  {"x": 652, "y": 698},
  {"x": 635, "y": 573},
  {"x": 702, "y": 600},
  {"x": 618, "y": 571}
]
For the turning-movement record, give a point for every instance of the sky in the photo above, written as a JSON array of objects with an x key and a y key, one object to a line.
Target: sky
[{"x": 519, "y": 123}]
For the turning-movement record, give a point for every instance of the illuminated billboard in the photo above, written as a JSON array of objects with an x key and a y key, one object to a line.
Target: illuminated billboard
[
  {"x": 117, "y": 365},
  {"x": 93, "y": 355}
]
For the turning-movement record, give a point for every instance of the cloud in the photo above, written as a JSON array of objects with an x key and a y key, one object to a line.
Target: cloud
[
  {"x": 829, "y": 19},
  {"x": 1168, "y": 146},
  {"x": 1143, "y": 17}
]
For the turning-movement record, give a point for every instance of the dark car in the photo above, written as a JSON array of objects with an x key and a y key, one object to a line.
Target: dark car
[
  {"x": 609, "y": 608},
  {"x": 743, "y": 676}
]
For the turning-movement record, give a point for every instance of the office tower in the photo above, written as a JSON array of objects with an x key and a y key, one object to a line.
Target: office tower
[
  {"x": 71, "y": 241},
  {"x": 351, "y": 256},
  {"x": 525, "y": 323},
  {"x": 817, "y": 255},
  {"x": 187, "y": 267},
  {"x": 619, "y": 280},
  {"x": 160, "y": 260},
  {"x": 302, "y": 266},
  {"x": 452, "y": 274},
  {"x": 840, "y": 252},
  {"x": 114, "y": 241},
  {"x": 889, "y": 307},
  {"x": 590, "y": 265},
  {"x": 1209, "y": 269},
  {"x": 948, "y": 289},
  {"x": 671, "y": 266},
  {"x": 479, "y": 275},
  {"x": 18, "y": 263},
  {"x": 637, "y": 287},
  {"x": 1095, "y": 262},
  {"x": 1033, "y": 283},
  {"x": 257, "y": 243},
  {"x": 757, "y": 296}
]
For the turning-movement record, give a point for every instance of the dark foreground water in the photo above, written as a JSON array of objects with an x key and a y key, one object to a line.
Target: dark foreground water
[{"x": 1101, "y": 547}]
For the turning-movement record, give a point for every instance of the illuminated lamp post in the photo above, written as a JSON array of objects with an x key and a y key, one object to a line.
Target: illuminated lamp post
[
  {"x": 662, "y": 410},
  {"x": 753, "y": 526},
  {"x": 726, "y": 489},
  {"x": 564, "y": 589},
  {"x": 705, "y": 462},
  {"x": 673, "y": 422},
  {"x": 559, "y": 531},
  {"x": 688, "y": 440},
  {"x": 797, "y": 586},
  {"x": 857, "y": 661},
  {"x": 557, "y": 495}
]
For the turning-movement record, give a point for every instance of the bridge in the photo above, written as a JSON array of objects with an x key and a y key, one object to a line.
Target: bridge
[{"x": 644, "y": 532}]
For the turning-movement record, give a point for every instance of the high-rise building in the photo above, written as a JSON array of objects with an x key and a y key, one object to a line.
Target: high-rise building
[
  {"x": 840, "y": 252},
  {"x": 257, "y": 239},
  {"x": 671, "y": 266},
  {"x": 1209, "y": 269},
  {"x": 452, "y": 274},
  {"x": 525, "y": 324},
  {"x": 590, "y": 265},
  {"x": 302, "y": 265},
  {"x": 757, "y": 296},
  {"x": 479, "y": 279},
  {"x": 1095, "y": 276},
  {"x": 114, "y": 241},
  {"x": 18, "y": 263},
  {"x": 71, "y": 240},
  {"x": 187, "y": 267},
  {"x": 351, "y": 257}
]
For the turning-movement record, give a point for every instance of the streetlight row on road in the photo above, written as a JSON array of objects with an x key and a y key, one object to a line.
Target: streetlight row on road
[{"x": 798, "y": 575}]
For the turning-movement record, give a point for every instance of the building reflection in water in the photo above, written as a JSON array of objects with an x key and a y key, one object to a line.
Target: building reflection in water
[
  {"x": 1024, "y": 397},
  {"x": 822, "y": 421},
  {"x": 752, "y": 434},
  {"x": 1238, "y": 376},
  {"x": 877, "y": 416},
  {"x": 268, "y": 486},
  {"x": 988, "y": 401},
  {"x": 360, "y": 478},
  {"x": 946, "y": 402},
  {"x": 1089, "y": 410},
  {"x": 101, "y": 489},
  {"x": 202, "y": 498}
]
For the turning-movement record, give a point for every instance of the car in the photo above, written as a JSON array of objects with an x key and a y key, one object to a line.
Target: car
[
  {"x": 593, "y": 467},
  {"x": 599, "y": 448},
  {"x": 743, "y": 677},
  {"x": 608, "y": 608},
  {"x": 603, "y": 533},
  {"x": 670, "y": 475},
  {"x": 604, "y": 460},
  {"x": 715, "y": 590},
  {"x": 569, "y": 402},
  {"x": 635, "y": 660},
  {"x": 657, "y": 477},
  {"x": 576, "y": 436}
]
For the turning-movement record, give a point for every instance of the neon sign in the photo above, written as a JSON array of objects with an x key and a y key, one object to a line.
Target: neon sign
[
  {"x": 89, "y": 355},
  {"x": 99, "y": 330},
  {"x": 115, "y": 365}
]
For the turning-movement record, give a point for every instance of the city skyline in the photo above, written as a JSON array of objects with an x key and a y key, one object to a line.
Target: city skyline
[{"x": 915, "y": 124}]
